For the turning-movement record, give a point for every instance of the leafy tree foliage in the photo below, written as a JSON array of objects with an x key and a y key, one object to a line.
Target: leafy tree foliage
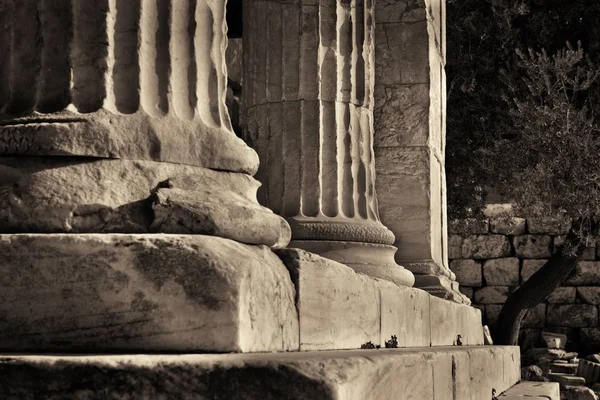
[
  {"x": 486, "y": 72},
  {"x": 522, "y": 116}
]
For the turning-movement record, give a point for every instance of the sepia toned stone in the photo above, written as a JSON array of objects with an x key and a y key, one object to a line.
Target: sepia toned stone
[
  {"x": 409, "y": 120},
  {"x": 486, "y": 246},
  {"x": 573, "y": 315},
  {"x": 204, "y": 212},
  {"x": 454, "y": 247},
  {"x": 530, "y": 267},
  {"x": 535, "y": 317},
  {"x": 337, "y": 308},
  {"x": 469, "y": 226},
  {"x": 533, "y": 391},
  {"x": 589, "y": 253},
  {"x": 587, "y": 273},
  {"x": 499, "y": 210},
  {"x": 448, "y": 320},
  {"x": 126, "y": 80},
  {"x": 491, "y": 295},
  {"x": 405, "y": 313},
  {"x": 501, "y": 272},
  {"x": 313, "y": 91},
  {"x": 589, "y": 295},
  {"x": 508, "y": 225},
  {"x": 548, "y": 225},
  {"x": 358, "y": 374},
  {"x": 533, "y": 246},
  {"x": 468, "y": 272},
  {"x": 143, "y": 293},
  {"x": 563, "y": 295},
  {"x": 121, "y": 196}
]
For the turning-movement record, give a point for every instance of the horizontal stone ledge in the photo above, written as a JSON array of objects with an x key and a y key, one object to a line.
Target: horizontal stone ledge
[
  {"x": 532, "y": 391},
  {"x": 341, "y": 309},
  {"x": 469, "y": 372},
  {"x": 115, "y": 293},
  {"x": 178, "y": 293},
  {"x": 74, "y": 195}
]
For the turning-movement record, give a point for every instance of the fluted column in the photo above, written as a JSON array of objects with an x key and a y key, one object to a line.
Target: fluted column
[
  {"x": 308, "y": 99},
  {"x": 132, "y": 79},
  {"x": 410, "y": 129}
]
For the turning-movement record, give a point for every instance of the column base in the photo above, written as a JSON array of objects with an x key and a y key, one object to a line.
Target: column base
[
  {"x": 441, "y": 286},
  {"x": 372, "y": 259}
]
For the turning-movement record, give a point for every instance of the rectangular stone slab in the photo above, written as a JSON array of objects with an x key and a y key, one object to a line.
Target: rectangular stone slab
[
  {"x": 341, "y": 309},
  {"x": 444, "y": 373},
  {"x": 180, "y": 293},
  {"x": 532, "y": 391}
]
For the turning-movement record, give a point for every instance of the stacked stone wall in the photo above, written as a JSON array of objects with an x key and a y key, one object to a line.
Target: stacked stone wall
[{"x": 492, "y": 257}]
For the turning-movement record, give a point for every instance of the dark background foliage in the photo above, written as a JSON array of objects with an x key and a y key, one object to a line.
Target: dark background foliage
[{"x": 485, "y": 74}]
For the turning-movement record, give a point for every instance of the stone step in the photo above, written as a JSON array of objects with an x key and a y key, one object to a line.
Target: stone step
[
  {"x": 443, "y": 373},
  {"x": 566, "y": 379},
  {"x": 532, "y": 391},
  {"x": 134, "y": 293},
  {"x": 563, "y": 368}
]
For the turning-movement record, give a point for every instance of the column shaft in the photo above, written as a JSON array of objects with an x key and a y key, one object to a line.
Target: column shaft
[
  {"x": 308, "y": 79},
  {"x": 410, "y": 97},
  {"x": 145, "y": 78}
]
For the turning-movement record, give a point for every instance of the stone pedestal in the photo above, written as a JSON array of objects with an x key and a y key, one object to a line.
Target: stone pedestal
[
  {"x": 113, "y": 131},
  {"x": 465, "y": 373},
  {"x": 308, "y": 99},
  {"x": 410, "y": 104}
]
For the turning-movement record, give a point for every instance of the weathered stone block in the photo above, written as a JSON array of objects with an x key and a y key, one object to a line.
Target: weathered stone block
[
  {"x": 563, "y": 295},
  {"x": 143, "y": 293},
  {"x": 468, "y": 226},
  {"x": 501, "y": 272},
  {"x": 535, "y": 318},
  {"x": 533, "y": 246},
  {"x": 572, "y": 315},
  {"x": 587, "y": 273},
  {"x": 589, "y": 295},
  {"x": 548, "y": 225},
  {"x": 468, "y": 272},
  {"x": 486, "y": 246},
  {"x": 508, "y": 225},
  {"x": 533, "y": 391},
  {"x": 405, "y": 314},
  {"x": 530, "y": 267},
  {"x": 120, "y": 196},
  {"x": 448, "y": 320},
  {"x": 491, "y": 295},
  {"x": 498, "y": 210},
  {"x": 219, "y": 213},
  {"x": 589, "y": 254},
  {"x": 455, "y": 247},
  {"x": 337, "y": 307},
  {"x": 470, "y": 372},
  {"x": 571, "y": 392}
]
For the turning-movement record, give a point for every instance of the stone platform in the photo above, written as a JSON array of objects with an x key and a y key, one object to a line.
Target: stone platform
[
  {"x": 445, "y": 373},
  {"x": 193, "y": 293}
]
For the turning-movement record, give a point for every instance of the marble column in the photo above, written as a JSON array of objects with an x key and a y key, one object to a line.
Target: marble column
[
  {"x": 308, "y": 100},
  {"x": 140, "y": 81},
  {"x": 128, "y": 212},
  {"x": 131, "y": 79},
  {"x": 409, "y": 120}
]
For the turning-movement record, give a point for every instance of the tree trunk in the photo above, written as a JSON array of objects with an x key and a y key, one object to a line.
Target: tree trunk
[{"x": 537, "y": 288}]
